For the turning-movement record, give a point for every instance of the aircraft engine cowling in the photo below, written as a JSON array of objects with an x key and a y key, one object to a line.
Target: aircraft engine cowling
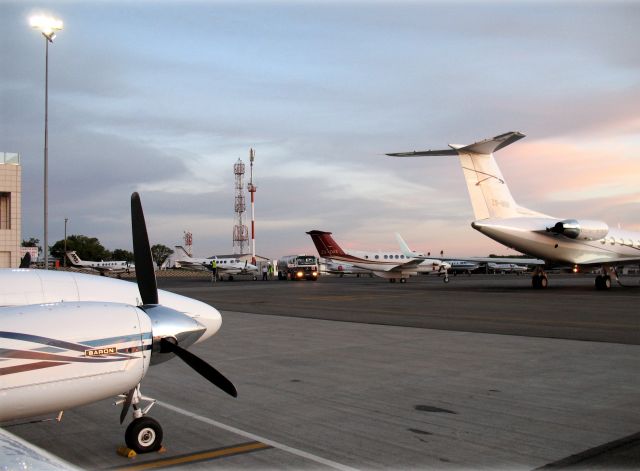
[{"x": 582, "y": 230}]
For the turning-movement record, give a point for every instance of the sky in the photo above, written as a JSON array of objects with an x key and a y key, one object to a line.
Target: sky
[{"x": 163, "y": 97}]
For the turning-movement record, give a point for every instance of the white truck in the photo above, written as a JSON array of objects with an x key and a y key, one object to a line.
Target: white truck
[{"x": 298, "y": 267}]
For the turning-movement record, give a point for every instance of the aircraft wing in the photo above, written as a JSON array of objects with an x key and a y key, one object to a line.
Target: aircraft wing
[
  {"x": 16, "y": 453},
  {"x": 517, "y": 261}
]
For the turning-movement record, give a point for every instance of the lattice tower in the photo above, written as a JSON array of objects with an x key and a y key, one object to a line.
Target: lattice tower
[{"x": 240, "y": 231}]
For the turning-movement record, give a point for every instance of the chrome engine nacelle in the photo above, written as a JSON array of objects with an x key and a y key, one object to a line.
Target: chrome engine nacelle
[{"x": 583, "y": 230}]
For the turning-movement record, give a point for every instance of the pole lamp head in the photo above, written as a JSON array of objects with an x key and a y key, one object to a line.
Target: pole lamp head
[{"x": 47, "y": 25}]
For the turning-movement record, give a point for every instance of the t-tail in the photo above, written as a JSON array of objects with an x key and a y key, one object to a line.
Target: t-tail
[
  {"x": 327, "y": 247},
  {"x": 181, "y": 252},
  {"x": 488, "y": 190},
  {"x": 75, "y": 260}
]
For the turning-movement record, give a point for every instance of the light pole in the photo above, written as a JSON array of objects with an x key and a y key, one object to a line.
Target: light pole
[
  {"x": 64, "y": 255},
  {"x": 48, "y": 26}
]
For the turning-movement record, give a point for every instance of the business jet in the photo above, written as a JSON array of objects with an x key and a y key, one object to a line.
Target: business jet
[
  {"x": 228, "y": 265},
  {"x": 392, "y": 266},
  {"x": 578, "y": 242},
  {"x": 102, "y": 267},
  {"x": 507, "y": 268},
  {"x": 69, "y": 339}
]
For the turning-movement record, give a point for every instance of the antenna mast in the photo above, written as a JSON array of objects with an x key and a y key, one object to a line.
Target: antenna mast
[
  {"x": 188, "y": 243},
  {"x": 252, "y": 189}
]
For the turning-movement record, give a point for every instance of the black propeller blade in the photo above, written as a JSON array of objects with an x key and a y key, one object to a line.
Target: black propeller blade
[
  {"x": 202, "y": 367},
  {"x": 145, "y": 274}
]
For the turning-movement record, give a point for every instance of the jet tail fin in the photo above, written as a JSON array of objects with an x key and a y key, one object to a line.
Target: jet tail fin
[
  {"x": 327, "y": 247},
  {"x": 181, "y": 252},
  {"x": 404, "y": 248},
  {"x": 73, "y": 257},
  {"x": 489, "y": 193}
]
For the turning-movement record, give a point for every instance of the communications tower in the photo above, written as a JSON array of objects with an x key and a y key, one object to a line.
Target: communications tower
[
  {"x": 240, "y": 231},
  {"x": 188, "y": 243},
  {"x": 252, "y": 189}
]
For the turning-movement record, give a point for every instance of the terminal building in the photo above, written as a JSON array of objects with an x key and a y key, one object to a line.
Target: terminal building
[{"x": 10, "y": 209}]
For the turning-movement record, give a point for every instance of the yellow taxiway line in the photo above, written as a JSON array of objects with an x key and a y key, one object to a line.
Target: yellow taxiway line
[{"x": 199, "y": 456}]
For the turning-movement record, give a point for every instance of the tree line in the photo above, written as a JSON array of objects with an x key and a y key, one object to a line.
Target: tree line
[{"x": 90, "y": 248}]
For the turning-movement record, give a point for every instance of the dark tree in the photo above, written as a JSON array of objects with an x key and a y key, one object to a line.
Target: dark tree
[
  {"x": 32, "y": 242},
  {"x": 121, "y": 254},
  {"x": 87, "y": 248},
  {"x": 160, "y": 253}
]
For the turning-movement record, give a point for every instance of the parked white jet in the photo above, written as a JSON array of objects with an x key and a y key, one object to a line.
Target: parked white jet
[
  {"x": 69, "y": 339},
  {"x": 228, "y": 265},
  {"x": 393, "y": 266},
  {"x": 467, "y": 265},
  {"x": 102, "y": 267},
  {"x": 506, "y": 268},
  {"x": 555, "y": 240}
]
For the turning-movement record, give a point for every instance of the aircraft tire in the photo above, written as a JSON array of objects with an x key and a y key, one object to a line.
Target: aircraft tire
[
  {"x": 544, "y": 282},
  {"x": 403, "y": 280},
  {"x": 539, "y": 281},
  {"x": 603, "y": 282},
  {"x": 446, "y": 279},
  {"x": 144, "y": 435}
]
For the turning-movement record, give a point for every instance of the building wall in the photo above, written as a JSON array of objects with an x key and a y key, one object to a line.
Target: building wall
[{"x": 11, "y": 189}]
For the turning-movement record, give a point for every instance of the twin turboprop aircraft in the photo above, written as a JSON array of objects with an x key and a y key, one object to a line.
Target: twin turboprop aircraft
[
  {"x": 392, "y": 266},
  {"x": 555, "y": 240},
  {"x": 102, "y": 267},
  {"x": 70, "y": 339},
  {"x": 228, "y": 266}
]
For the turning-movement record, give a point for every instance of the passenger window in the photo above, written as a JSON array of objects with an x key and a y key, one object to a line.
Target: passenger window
[{"x": 377, "y": 257}]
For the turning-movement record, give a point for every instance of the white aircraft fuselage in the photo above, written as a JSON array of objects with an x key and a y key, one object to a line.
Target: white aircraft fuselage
[{"x": 70, "y": 338}]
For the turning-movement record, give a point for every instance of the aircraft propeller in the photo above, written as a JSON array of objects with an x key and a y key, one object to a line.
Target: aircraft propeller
[{"x": 146, "y": 277}]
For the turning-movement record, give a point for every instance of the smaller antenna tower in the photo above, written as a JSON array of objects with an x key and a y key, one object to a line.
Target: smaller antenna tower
[
  {"x": 188, "y": 243},
  {"x": 240, "y": 231}
]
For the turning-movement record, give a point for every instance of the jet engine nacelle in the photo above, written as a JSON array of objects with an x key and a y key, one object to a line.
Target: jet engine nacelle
[{"x": 583, "y": 230}]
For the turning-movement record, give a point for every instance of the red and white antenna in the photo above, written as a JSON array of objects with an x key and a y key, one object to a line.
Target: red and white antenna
[
  {"x": 188, "y": 243},
  {"x": 252, "y": 189}
]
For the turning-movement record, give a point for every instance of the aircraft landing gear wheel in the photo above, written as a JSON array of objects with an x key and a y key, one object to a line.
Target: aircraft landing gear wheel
[
  {"x": 255, "y": 278},
  {"x": 539, "y": 281},
  {"x": 446, "y": 279},
  {"x": 144, "y": 435},
  {"x": 403, "y": 280}
]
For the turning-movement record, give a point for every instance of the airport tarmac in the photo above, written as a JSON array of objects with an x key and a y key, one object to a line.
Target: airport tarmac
[{"x": 483, "y": 372}]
